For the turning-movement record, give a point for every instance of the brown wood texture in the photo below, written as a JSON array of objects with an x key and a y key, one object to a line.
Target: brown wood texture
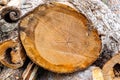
[
  {"x": 59, "y": 39},
  {"x": 12, "y": 54},
  {"x": 111, "y": 69}
]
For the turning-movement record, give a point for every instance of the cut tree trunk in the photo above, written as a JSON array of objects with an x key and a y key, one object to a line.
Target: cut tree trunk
[{"x": 60, "y": 39}]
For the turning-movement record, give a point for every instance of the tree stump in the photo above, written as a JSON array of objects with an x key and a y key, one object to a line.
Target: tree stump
[{"x": 58, "y": 38}]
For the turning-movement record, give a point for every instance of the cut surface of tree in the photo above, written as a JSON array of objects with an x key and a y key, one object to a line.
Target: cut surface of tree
[
  {"x": 111, "y": 69},
  {"x": 59, "y": 38},
  {"x": 12, "y": 54}
]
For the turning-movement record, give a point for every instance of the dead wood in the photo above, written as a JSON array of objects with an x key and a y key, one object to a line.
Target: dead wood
[
  {"x": 11, "y": 12},
  {"x": 12, "y": 54},
  {"x": 59, "y": 38},
  {"x": 107, "y": 25}
]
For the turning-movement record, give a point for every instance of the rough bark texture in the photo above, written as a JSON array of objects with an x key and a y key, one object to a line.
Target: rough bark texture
[
  {"x": 114, "y": 5},
  {"x": 10, "y": 74}
]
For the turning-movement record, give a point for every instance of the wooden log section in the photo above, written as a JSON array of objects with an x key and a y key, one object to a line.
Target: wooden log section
[
  {"x": 111, "y": 69},
  {"x": 60, "y": 39},
  {"x": 12, "y": 54}
]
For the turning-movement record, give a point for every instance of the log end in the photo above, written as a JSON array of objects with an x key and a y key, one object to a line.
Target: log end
[
  {"x": 60, "y": 39},
  {"x": 12, "y": 54}
]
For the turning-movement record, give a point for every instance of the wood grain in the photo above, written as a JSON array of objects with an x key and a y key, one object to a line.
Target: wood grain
[{"x": 59, "y": 39}]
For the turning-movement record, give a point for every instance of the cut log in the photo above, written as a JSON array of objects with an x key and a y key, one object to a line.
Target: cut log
[
  {"x": 111, "y": 69},
  {"x": 12, "y": 54},
  {"x": 60, "y": 39}
]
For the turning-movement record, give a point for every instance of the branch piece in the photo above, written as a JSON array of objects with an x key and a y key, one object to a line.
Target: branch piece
[
  {"x": 11, "y": 14},
  {"x": 30, "y": 72},
  {"x": 12, "y": 54}
]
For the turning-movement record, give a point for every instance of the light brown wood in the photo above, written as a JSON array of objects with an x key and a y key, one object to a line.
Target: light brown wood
[
  {"x": 111, "y": 69},
  {"x": 97, "y": 74},
  {"x": 59, "y": 39},
  {"x": 12, "y": 54},
  {"x": 4, "y": 2}
]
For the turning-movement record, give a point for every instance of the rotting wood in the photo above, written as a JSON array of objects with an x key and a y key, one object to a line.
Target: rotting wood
[
  {"x": 53, "y": 39},
  {"x": 12, "y": 54}
]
